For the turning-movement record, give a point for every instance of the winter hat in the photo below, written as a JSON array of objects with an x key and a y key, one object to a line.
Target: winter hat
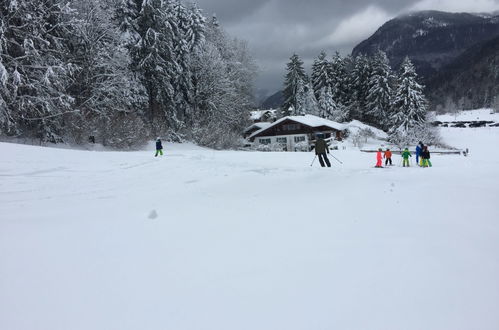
[{"x": 158, "y": 138}]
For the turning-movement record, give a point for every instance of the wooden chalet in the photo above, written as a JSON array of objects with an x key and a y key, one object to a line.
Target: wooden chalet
[{"x": 296, "y": 132}]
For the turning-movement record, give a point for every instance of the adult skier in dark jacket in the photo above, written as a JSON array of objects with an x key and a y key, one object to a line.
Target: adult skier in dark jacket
[
  {"x": 321, "y": 148},
  {"x": 159, "y": 147}
]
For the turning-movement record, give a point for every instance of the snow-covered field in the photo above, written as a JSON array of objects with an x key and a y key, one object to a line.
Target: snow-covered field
[
  {"x": 470, "y": 115},
  {"x": 200, "y": 239}
]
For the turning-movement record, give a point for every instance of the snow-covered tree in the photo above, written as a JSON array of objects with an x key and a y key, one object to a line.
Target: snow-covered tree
[
  {"x": 103, "y": 84},
  {"x": 120, "y": 70},
  {"x": 308, "y": 102},
  {"x": 326, "y": 103},
  {"x": 126, "y": 14},
  {"x": 320, "y": 74},
  {"x": 409, "y": 103},
  {"x": 338, "y": 79},
  {"x": 153, "y": 56},
  {"x": 380, "y": 91},
  {"x": 223, "y": 76},
  {"x": 298, "y": 108},
  {"x": 295, "y": 78},
  {"x": 35, "y": 73},
  {"x": 360, "y": 76}
]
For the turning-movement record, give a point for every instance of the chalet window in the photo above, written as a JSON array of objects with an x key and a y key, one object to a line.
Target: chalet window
[
  {"x": 291, "y": 127},
  {"x": 265, "y": 141},
  {"x": 282, "y": 140},
  {"x": 299, "y": 139}
]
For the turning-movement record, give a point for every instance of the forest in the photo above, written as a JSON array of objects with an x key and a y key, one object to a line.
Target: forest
[{"x": 121, "y": 72}]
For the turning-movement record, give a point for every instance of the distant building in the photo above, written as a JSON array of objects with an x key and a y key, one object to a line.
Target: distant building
[
  {"x": 259, "y": 116},
  {"x": 296, "y": 133}
]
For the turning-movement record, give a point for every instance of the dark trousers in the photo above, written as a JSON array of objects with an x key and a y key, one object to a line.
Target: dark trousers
[
  {"x": 323, "y": 158},
  {"x": 388, "y": 160}
]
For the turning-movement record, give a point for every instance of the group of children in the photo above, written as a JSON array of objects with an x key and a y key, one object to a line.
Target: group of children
[{"x": 422, "y": 156}]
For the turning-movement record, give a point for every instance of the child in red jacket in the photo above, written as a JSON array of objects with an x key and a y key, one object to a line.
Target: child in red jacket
[{"x": 379, "y": 158}]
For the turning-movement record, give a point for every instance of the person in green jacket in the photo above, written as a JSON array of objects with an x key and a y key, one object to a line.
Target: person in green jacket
[{"x": 405, "y": 156}]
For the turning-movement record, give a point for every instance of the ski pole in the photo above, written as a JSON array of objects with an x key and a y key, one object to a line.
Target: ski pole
[
  {"x": 313, "y": 160},
  {"x": 336, "y": 159}
]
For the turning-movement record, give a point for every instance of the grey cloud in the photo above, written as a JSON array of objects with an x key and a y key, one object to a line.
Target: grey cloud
[{"x": 275, "y": 29}]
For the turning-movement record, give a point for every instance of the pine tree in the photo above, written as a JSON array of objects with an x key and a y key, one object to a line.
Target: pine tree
[
  {"x": 223, "y": 74},
  {"x": 327, "y": 105},
  {"x": 296, "y": 79},
  {"x": 308, "y": 102},
  {"x": 154, "y": 57},
  {"x": 182, "y": 80},
  {"x": 126, "y": 14},
  {"x": 320, "y": 74},
  {"x": 360, "y": 77},
  {"x": 380, "y": 91},
  {"x": 103, "y": 85},
  {"x": 338, "y": 80},
  {"x": 34, "y": 69},
  {"x": 410, "y": 105}
]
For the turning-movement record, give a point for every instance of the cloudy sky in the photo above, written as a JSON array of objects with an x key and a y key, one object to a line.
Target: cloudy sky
[{"x": 275, "y": 29}]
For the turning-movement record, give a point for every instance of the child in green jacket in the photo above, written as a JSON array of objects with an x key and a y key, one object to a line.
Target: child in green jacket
[{"x": 405, "y": 155}]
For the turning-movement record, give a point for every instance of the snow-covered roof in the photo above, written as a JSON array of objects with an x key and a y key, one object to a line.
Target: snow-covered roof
[
  {"x": 259, "y": 125},
  {"x": 307, "y": 120}
]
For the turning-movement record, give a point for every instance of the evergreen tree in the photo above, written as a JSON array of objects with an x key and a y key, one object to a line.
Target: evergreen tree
[
  {"x": 34, "y": 70},
  {"x": 72, "y": 72},
  {"x": 327, "y": 105},
  {"x": 182, "y": 81},
  {"x": 308, "y": 102},
  {"x": 338, "y": 81},
  {"x": 103, "y": 86},
  {"x": 223, "y": 74},
  {"x": 320, "y": 74},
  {"x": 360, "y": 77},
  {"x": 154, "y": 57},
  {"x": 296, "y": 79},
  {"x": 410, "y": 104},
  {"x": 380, "y": 91},
  {"x": 127, "y": 13},
  {"x": 348, "y": 83}
]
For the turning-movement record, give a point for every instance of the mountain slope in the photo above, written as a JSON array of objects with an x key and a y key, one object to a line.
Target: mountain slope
[
  {"x": 432, "y": 39},
  {"x": 470, "y": 81},
  {"x": 274, "y": 101}
]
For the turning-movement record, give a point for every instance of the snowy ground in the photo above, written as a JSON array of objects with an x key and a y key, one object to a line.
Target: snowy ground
[{"x": 200, "y": 239}]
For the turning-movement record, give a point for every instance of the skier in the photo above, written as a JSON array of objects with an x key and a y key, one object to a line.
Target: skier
[
  {"x": 388, "y": 156},
  {"x": 419, "y": 149},
  {"x": 425, "y": 155},
  {"x": 321, "y": 148},
  {"x": 159, "y": 147},
  {"x": 405, "y": 156},
  {"x": 379, "y": 158}
]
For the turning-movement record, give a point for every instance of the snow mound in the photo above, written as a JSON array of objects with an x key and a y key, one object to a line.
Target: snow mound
[{"x": 355, "y": 126}]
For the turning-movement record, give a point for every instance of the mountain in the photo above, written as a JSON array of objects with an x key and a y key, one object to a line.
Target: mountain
[
  {"x": 273, "y": 102},
  {"x": 470, "y": 81},
  {"x": 432, "y": 39}
]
